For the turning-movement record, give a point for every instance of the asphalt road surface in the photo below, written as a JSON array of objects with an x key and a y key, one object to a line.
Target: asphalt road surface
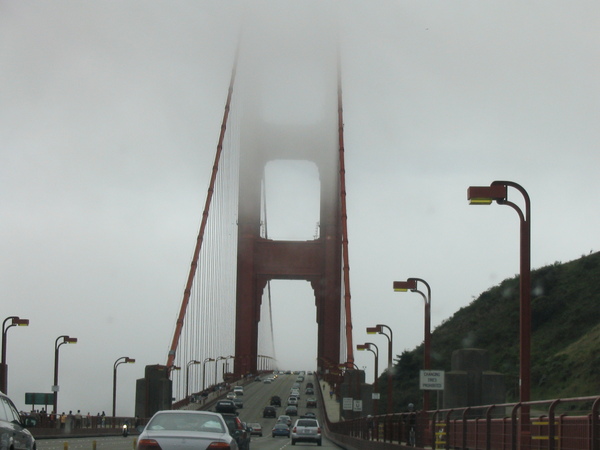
[{"x": 256, "y": 396}]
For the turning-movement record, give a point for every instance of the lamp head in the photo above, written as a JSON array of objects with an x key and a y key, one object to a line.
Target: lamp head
[
  {"x": 70, "y": 340},
  {"x": 129, "y": 360},
  {"x": 362, "y": 347},
  {"x": 374, "y": 330},
  {"x": 485, "y": 195},
  {"x": 403, "y": 286},
  {"x": 20, "y": 322}
]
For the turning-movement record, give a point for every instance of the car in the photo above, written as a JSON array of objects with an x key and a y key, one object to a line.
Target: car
[
  {"x": 231, "y": 395},
  {"x": 237, "y": 430},
  {"x": 280, "y": 429},
  {"x": 309, "y": 391},
  {"x": 238, "y": 390},
  {"x": 295, "y": 392},
  {"x": 276, "y": 400},
  {"x": 225, "y": 406},
  {"x": 308, "y": 415},
  {"x": 256, "y": 428},
  {"x": 310, "y": 385},
  {"x": 311, "y": 402},
  {"x": 238, "y": 402},
  {"x": 269, "y": 411},
  {"x": 291, "y": 410},
  {"x": 199, "y": 429},
  {"x": 292, "y": 400},
  {"x": 267, "y": 381},
  {"x": 285, "y": 419},
  {"x": 13, "y": 428},
  {"x": 306, "y": 430}
]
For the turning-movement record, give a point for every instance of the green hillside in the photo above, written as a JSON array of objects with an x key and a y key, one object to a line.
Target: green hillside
[{"x": 565, "y": 343}]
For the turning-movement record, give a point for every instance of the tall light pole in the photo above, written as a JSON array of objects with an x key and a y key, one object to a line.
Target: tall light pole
[
  {"x": 204, "y": 371},
  {"x": 220, "y": 358},
  {"x": 378, "y": 329},
  {"x": 187, "y": 375},
  {"x": 65, "y": 340},
  {"x": 411, "y": 284},
  {"x": 15, "y": 322},
  {"x": 498, "y": 192},
  {"x": 226, "y": 365},
  {"x": 367, "y": 346},
  {"x": 118, "y": 362}
]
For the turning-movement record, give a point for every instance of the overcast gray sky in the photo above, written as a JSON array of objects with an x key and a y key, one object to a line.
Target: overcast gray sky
[{"x": 109, "y": 117}]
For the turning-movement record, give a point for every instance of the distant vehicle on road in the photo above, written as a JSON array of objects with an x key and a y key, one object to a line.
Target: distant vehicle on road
[
  {"x": 256, "y": 428},
  {"x": 311, "y": 402},
  {"x": 269, "y": 411},
  {"x": 276, "y": 400},
  {"x": 291, "y": 410},
  {"x": 225, "y": 406},
  {"x": 280, "y": 429},
  {"x": 284, "y": 418}
]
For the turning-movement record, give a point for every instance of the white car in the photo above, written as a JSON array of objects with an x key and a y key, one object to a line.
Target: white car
[
  {"x": 238, "y": 390},
  {"x": 13, "y": 431},
  {"x": 181, "y": 430},
  {"x": 306, "y": 430}
]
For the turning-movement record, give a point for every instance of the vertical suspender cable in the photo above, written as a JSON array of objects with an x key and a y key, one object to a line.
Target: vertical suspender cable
[
  {"x": 268, "y": 282},
  {"x": 200, "y": 238},
  {"x": 344, "y": 217}
]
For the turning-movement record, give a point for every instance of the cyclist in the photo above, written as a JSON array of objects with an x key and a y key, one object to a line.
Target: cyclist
[{"x": 411, "y": 425}]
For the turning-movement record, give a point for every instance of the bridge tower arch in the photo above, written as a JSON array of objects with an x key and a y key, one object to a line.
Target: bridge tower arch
[{"x": 259, "y": 260}]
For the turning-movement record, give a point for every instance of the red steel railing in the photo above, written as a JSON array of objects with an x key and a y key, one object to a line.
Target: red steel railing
[{"x": 561, "y": 424}]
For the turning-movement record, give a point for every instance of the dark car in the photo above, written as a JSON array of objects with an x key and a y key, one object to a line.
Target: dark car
[
  {"x": 291, "y": 410},
  {"x": 237, "y": 430},
  {"x": 309, "y": 391},
  {"x": 275, "y": 400},
  {"x": 311, "y": 402},
  {"x": 269, "y": 411},
  {"x": 310, "y": 385},
  {"x": 225, "y": 406},
  {"x": 238, "y": 402},
  {"x": 280, "y": 429}
]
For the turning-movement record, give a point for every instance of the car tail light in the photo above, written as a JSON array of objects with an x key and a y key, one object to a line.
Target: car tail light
[
  {"x": 319, "y": 430},
  {"x": 294, "y": 430},
  {"x": 219, "y": 445},
  {"x": 148, "y": 444}
]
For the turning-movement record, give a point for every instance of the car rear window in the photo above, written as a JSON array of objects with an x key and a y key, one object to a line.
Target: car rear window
[{"x": 308, "y": 423}]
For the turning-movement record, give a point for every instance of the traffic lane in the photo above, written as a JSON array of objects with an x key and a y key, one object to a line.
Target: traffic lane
[{"x": 110, "y": 442}]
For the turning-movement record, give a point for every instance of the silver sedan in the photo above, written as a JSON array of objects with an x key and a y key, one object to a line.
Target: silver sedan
[{"x": 185, "y": 430}]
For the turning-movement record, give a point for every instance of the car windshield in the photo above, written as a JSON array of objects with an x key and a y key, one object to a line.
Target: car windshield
[{"x": 186, "y": 422}]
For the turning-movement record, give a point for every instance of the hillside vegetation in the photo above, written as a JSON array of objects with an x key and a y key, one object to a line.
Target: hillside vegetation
[{"x": 565, "y": 347}]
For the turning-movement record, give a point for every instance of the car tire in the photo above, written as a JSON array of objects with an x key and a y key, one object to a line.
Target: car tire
[
  {"x": 319, "y": 443},
  {"x": 293, "y": 442}
]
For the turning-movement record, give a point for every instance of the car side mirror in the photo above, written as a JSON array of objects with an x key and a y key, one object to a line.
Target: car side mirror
[{"x": 28, "y": 422}]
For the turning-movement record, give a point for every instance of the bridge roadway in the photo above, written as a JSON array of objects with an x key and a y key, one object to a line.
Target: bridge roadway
[{"x": 256, "y": 396}]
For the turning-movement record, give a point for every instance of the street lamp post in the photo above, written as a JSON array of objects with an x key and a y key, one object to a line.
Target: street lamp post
[
  {"x": 378, "y": 329},
  {"x": 15, "y": 321},
  {"x": 220, "y": 358},
  {"x": 204, "y": 372},
  {"x": 187, "y": 375},
  {"x": 498, "y": 192},
  {"x": 403, "y": 286},
  {"x": 367, "y": 346},
  {"x": 65, "y": 340},
  {"x": 118, "y": 362}
]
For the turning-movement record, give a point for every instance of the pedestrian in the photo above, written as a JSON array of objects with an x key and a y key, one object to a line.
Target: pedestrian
[
  {"x": 330, "y": 393},
  {"x": 63, "y": 420},
  {"x": 78, "y": 419}
]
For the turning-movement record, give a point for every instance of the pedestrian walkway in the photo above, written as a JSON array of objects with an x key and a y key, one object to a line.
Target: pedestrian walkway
[{"x": 331, "y": 404}]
